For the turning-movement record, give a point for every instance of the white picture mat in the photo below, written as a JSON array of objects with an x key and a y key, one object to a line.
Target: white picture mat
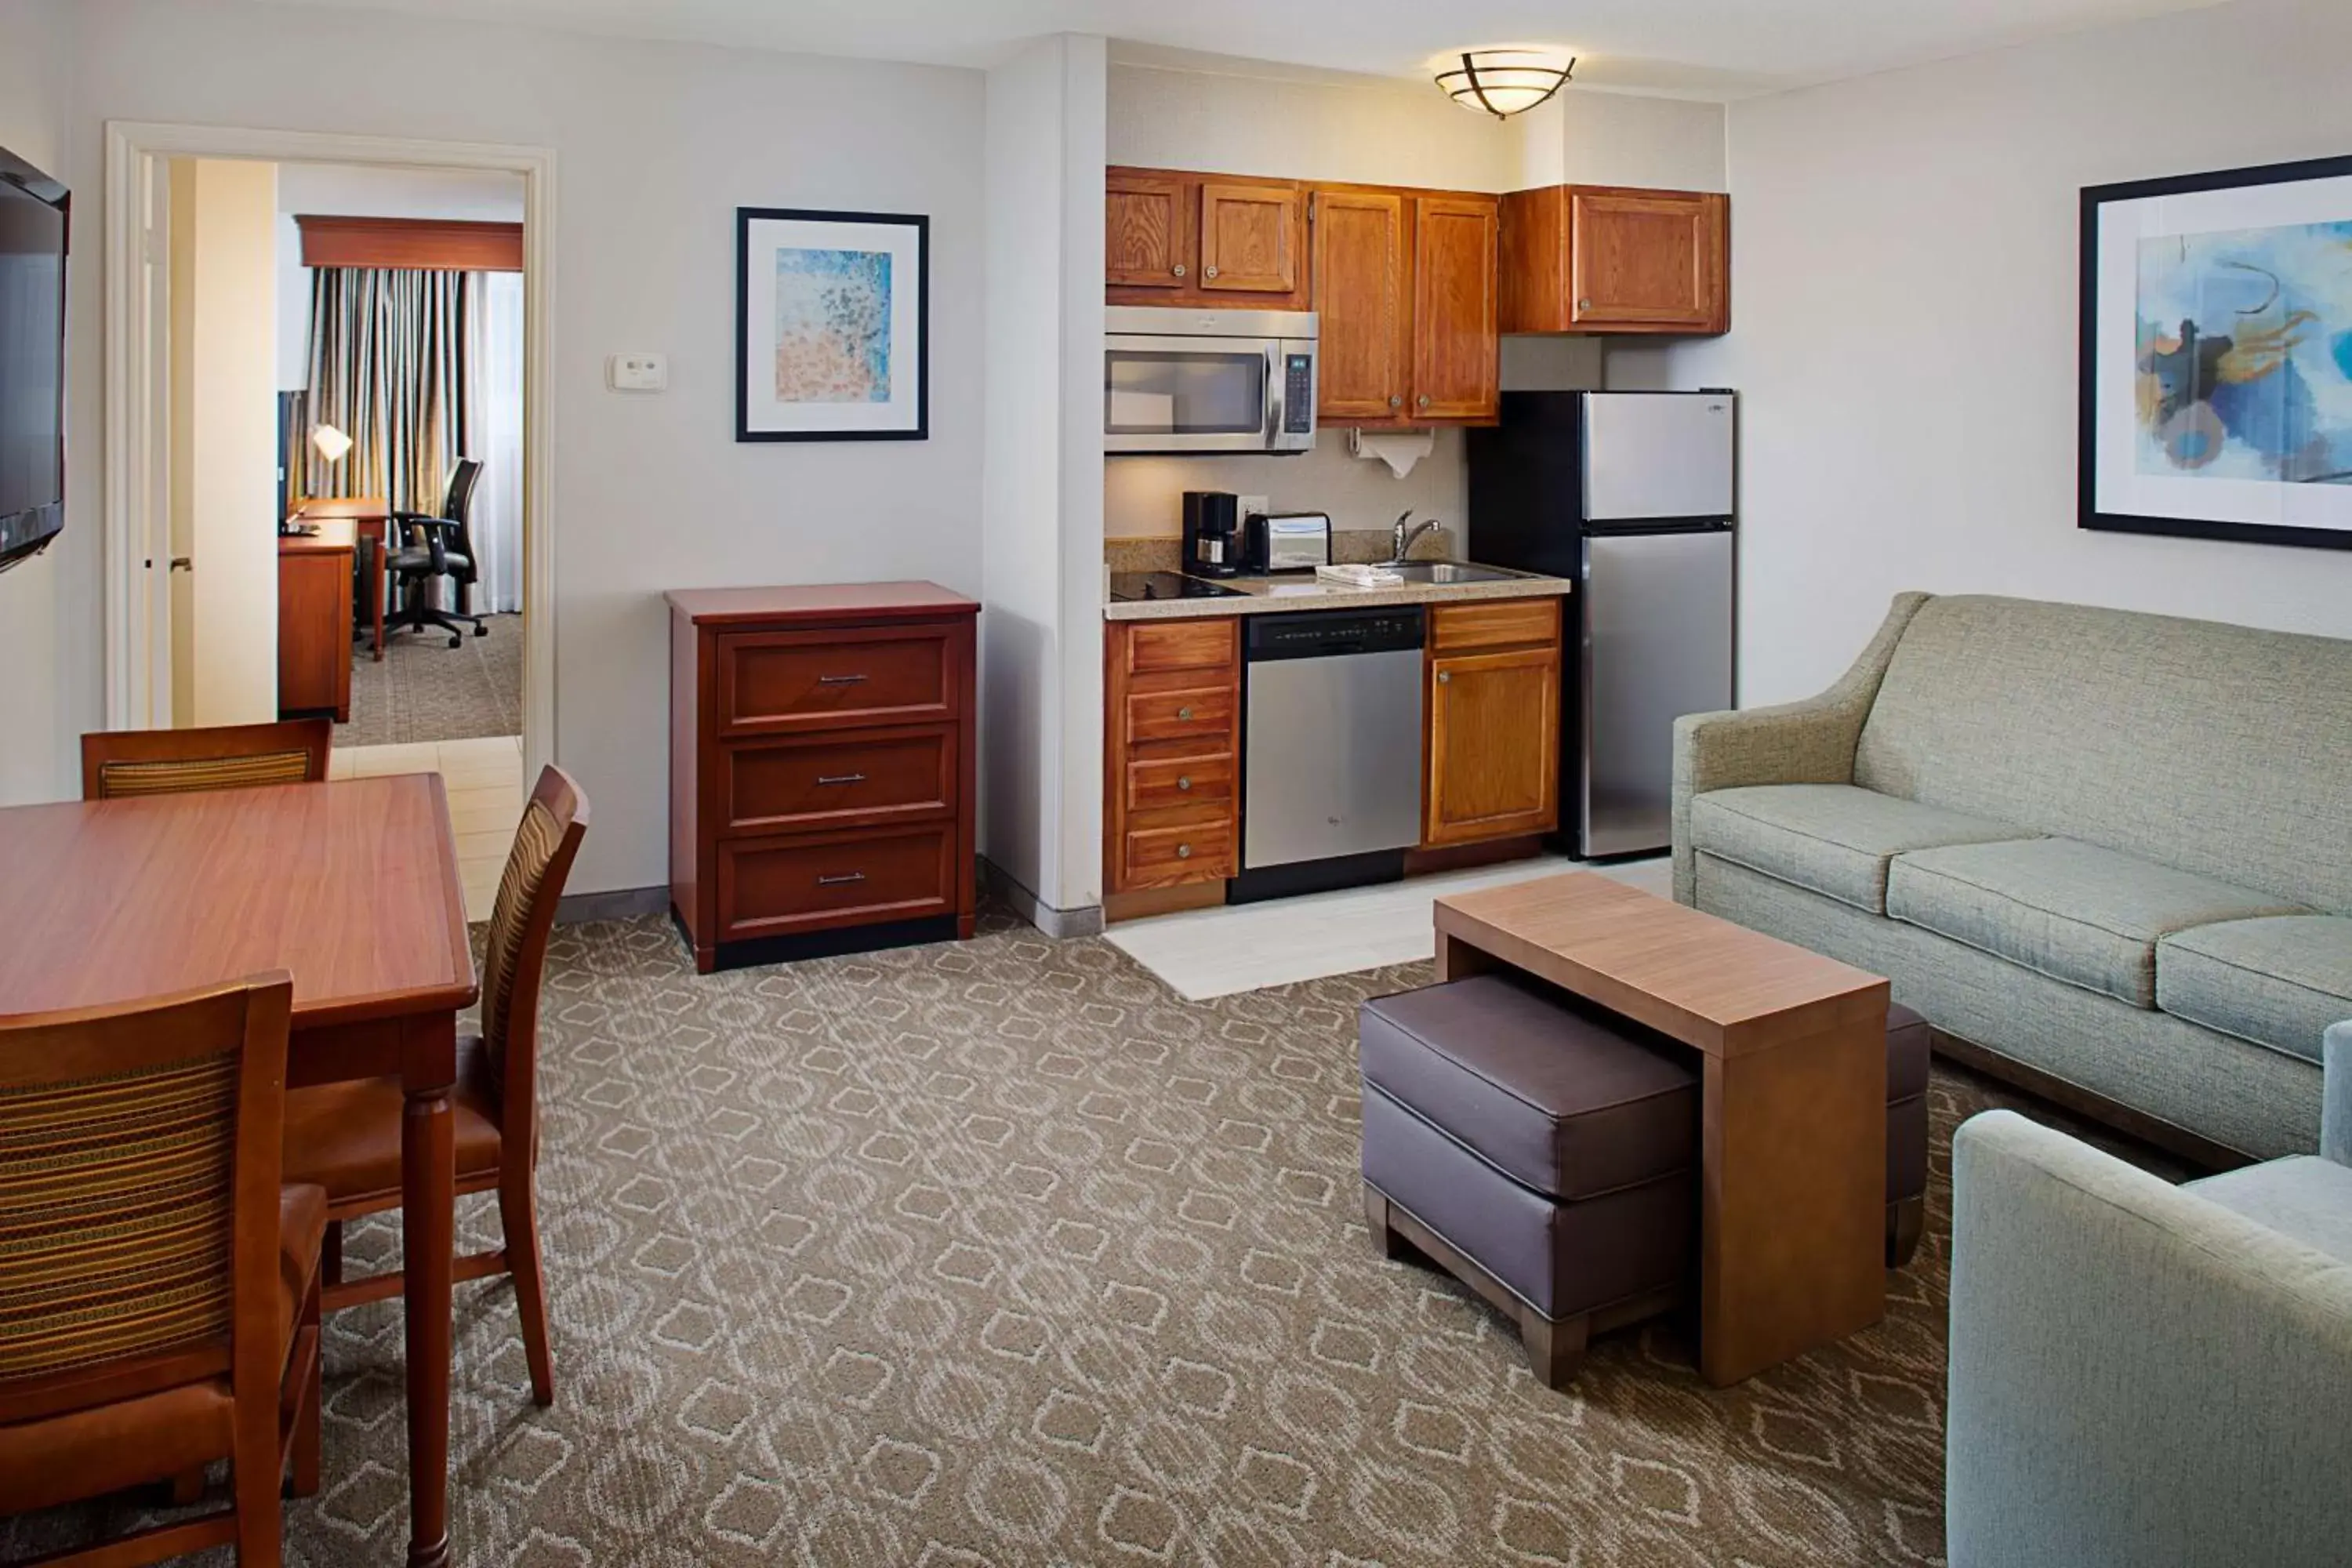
[
  {"x": 766, "y": 236},
  {"x": 2119, "y": 487}
]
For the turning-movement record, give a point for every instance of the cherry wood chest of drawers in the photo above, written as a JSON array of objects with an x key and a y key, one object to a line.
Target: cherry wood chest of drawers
[{"x": 821, "y": 769}]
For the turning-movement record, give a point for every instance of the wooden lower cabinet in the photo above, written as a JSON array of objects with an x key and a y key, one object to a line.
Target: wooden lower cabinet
[
  {"x": 314, "y": 622},
  {"x": 822, "y": 765},
  {"x": 1171, "y": 810},
  {"x": 1492, "y": 746}
]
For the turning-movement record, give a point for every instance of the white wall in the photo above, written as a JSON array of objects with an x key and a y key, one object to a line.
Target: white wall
[
  {"x": 1904, "y": 292},
  {"x": 1143, "y": 497},
  {"x": 657, "y": 144},
  {"x": 225, "y": 229},
  {"x": 342, "y": 190},
  {"x": 1586, "y": 138},
  {"x": 1041, "y": 505},
  {"x": 1175, "y": 111},
  {"x": 41, "y": 701}
]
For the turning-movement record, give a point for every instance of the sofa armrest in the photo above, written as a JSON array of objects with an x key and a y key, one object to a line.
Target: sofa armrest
[
  {"x": 1812, "y": 742},
  {"x": 2137, "y": 1374},
  {"x": 2336, "y": 1107}
]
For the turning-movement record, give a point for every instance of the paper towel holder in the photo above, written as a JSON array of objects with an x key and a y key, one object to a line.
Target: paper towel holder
[{"x": 1402, "y": 450}]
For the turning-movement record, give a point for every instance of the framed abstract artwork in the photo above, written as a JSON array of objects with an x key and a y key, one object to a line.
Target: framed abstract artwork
[
  {"x": 2216, "y": 396},
  {"x": 832, "y": 326}
]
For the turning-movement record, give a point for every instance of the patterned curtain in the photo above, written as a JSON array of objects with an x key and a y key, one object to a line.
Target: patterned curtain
[{"x": 387, "y": 369}]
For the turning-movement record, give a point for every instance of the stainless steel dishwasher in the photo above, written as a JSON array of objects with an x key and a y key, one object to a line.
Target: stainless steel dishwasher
[{"x": 1330, "y": 749}]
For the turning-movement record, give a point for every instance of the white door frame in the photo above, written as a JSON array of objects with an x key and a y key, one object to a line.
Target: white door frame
[{"x": 138, "y": 553}]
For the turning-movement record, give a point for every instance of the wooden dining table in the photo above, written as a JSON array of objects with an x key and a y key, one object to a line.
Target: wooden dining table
[
  {"x": 371, "y": 519},
  {"x": 353, "y": 886}
]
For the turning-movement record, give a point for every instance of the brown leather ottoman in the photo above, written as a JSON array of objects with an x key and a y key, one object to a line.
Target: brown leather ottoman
[
  {"x": 1546, "y": 1160},
  {"x": 1907, "y": 1132}
]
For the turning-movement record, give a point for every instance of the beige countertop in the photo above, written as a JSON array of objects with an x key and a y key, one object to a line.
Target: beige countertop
[{"x": 1263, "y": 596}]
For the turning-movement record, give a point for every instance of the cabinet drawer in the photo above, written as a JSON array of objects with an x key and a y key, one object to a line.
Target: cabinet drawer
[
  {"x": 870, "y": 778},
  {"x": 1202, "y": 781},
  {"x": 1505, "y": 623},
  {"x": 1201, "y": 712},
  {"x": 1164, "y": 857},
  {"x": 782, "y": 681},
  {"x": 774, "y": 887},
  {"x": 1182, "y": 645}
]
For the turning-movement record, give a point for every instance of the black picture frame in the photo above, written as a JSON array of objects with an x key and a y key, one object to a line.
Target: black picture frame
[
  {"x": 2087, "y": 513},
  {"x": 921, "y": 224}
]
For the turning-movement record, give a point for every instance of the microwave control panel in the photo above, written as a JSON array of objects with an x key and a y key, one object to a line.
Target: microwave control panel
[{"x": 1299, "y": 394}]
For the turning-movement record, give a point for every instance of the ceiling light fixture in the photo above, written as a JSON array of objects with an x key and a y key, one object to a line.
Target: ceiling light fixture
[{"x": 1504, "y": 81}]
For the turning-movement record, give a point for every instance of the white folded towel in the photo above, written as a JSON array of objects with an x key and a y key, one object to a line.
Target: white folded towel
[{"x": 1359, "y": 576}]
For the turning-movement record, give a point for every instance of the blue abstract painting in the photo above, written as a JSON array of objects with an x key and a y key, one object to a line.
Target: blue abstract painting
[
  {"x": 832, "y": 326},
  {"x": 2244, "y": 354}
]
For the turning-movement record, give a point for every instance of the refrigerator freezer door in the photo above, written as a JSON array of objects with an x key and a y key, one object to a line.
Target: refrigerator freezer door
[
  {"x": 1655, "y": 612},
  {"x": 1657, "y": 455}
]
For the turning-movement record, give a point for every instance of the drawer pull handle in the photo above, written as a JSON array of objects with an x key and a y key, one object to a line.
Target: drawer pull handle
[
  {"x": 1183, "y": 851},
  {"x": 837, "y": 881},
  {"x": 839, "y": 679},
  {"x": 1183, "y": 780},
  {"x": 840, "y": 778},
  {"x": 1185, "y": 714}
]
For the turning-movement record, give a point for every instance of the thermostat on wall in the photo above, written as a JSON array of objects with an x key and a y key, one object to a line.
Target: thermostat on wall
[{"x": 637, "y": 372}]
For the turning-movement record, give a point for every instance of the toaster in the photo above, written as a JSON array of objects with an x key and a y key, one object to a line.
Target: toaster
[{"x": 1285, "y": 541}]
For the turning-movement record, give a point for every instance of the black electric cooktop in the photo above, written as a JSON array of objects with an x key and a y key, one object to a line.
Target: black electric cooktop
[{"x": 1128, "y": 586}]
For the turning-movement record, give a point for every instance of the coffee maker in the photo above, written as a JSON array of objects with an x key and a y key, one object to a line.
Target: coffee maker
[{"x": 1212, "y": 534}]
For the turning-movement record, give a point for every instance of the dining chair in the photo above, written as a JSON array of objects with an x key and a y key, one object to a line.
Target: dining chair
[
  {"x": 117, "y": 762},
  {"x": 346, "y": 1137},
  {"x": 159, "y": 1287}
]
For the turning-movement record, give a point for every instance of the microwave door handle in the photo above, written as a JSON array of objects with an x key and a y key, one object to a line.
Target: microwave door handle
[{"x": 1273, "y": 395}]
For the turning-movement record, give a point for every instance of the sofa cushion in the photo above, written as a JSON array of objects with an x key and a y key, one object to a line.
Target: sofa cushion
[
  {"x": 1835, "y": 839},
  {"x": 2218, "y": 748},
  {"x": 2073, "y": 912},
  {"x": 2279, "y": 982},
  {"x": 2302, "y": 1197}
]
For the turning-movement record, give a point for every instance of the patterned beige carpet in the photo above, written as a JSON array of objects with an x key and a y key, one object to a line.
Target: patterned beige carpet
[
  {"x": 423, "y": 690},
  {"x": 1001, "y": 1254}
]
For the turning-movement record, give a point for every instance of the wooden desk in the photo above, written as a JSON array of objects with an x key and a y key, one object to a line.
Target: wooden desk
[
  {"x": 314, "y": 620},
  {"x": 1793, "y": 1209},
  {"x": 353, "y": 888},
  {"x": 371, "y": 519}
]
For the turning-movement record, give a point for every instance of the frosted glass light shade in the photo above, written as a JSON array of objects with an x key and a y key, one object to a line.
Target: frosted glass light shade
[
  {"x": 1504, "y": 81},
  {"x": 330, "y": 443}
]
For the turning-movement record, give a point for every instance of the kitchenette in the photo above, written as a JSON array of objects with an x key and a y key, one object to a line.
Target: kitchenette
[{"x": 1379, "y": 599}]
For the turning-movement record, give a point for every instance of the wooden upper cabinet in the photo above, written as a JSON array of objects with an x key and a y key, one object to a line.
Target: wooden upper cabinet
[
  {"x": 1456, "y": 350},
  {"x": 1360, "y": 272},
  {"x": 1606, "y": 258},
  {"x": 1147, "y": 241},
  {"x": 1229, "y": 242},
  {"x": 1250, "y": 236}
]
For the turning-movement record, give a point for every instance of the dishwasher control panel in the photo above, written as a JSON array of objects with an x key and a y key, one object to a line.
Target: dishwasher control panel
[{"x": 1332, "y": 633}]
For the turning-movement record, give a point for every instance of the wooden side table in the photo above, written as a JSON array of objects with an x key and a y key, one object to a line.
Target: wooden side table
[
  {"x": 1793, "y": 1209},
  {"x": 314, "y": 621}
]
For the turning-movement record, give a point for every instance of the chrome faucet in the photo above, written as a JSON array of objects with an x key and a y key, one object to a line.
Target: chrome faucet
[{"x": 1403, "y": 538}]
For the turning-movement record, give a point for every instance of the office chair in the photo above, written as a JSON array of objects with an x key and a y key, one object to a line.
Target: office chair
[{"x": 439, "y": 546}]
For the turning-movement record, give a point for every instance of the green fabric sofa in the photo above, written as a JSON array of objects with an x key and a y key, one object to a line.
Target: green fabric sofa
[{"x": 2112, "y": 849}]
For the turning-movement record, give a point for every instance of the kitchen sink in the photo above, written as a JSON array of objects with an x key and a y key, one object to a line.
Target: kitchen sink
[{"x": 1451, "y": 572}]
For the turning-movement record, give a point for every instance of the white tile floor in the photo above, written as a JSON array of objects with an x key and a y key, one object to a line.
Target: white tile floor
[
  {"x": 484, "y": 779},
  {"x": 1202, "y": 953}
]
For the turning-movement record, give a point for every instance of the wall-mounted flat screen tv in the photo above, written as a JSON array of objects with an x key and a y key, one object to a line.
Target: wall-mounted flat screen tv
[{"x": 33, "y": 210}]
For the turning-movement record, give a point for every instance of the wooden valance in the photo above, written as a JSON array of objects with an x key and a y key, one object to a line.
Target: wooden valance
[{"x": 436, "y": 243}]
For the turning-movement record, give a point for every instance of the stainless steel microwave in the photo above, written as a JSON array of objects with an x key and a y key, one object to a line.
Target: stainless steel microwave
[{"x": 1177, "y": 381}]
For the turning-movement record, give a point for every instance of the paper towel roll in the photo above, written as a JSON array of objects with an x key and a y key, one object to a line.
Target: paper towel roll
[{"x": 1400, "y": 449}]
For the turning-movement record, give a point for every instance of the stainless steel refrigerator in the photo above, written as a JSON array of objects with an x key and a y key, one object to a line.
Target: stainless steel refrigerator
[{"x": 1630, "y": 494}]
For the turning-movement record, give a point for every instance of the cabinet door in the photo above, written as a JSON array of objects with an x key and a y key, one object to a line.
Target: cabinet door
[
  {"x": 1250, "y": 237},
  {"x": 1146, "y": 241},
  {"x": 1494, "y": 746},
  {"x": 1366, "y": 313},
  {"x": 1456, "y": 353},
  {"x": 1648, "y": 258}
]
